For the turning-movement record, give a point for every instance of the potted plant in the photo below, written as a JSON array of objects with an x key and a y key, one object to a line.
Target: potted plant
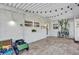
[
  {"x": 66, "y": 31},
  {"x": 61, "y": 25}
]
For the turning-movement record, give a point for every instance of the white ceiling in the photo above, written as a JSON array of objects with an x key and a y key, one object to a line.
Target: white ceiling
[{"x": 48, "y": 10}]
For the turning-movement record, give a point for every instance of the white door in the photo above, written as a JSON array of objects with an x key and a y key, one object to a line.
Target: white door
[{"x": 71, "y": 29}]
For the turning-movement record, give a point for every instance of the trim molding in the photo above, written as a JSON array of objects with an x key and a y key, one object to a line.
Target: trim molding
[{"x": 76, "y": 41}]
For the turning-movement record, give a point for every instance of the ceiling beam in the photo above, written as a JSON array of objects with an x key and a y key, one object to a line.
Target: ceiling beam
[
  {"x": 33, "y": 4},
  {"x": 9, "y": 4},
  {"x": 28, "y": 4},
  {"x": 14, "y": 5},
  {"x": 18, "y": 5},
  {"x": 22, "y": 5},
  {"x": 32, "y": 8},
  {"x": 41, "y": 7}
]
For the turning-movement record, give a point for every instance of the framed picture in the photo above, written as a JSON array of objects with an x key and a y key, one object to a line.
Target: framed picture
[
  {"x": 36, "y": 24},
  {"x": 28, "y": 23},
  {"x": 55, "y": 26}
]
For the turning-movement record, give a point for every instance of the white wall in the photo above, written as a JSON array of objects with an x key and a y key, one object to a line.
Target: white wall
[
  {"x": 16, "y": 32},
  {"x": 7, "y": 31},
  {"x": 76, "y": 21},
  {"x": 76, "y": 29},
  {"x": 39, "y": 34},
  {"x": 53, "y": 32}
]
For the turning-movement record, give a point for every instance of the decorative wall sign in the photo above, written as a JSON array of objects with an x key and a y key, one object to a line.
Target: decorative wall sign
[
  {"x": 78, "y": 5},
  {"x": 70, "y": 8},
  {"x": 21, "y": 25},
  {"x": 55, "y": 10},
  {"x": 61, "y": 8},
  {"x": 67, "y": 6},
  {"x": 50, "y": 11},
  {"x": 55, "y": 26}
]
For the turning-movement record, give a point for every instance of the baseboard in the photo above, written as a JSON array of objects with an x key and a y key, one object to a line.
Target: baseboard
[
  {"x": 38, "y": 40},
  {"x": 76, "y": 41}
]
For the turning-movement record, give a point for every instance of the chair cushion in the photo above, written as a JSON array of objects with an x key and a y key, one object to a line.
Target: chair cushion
[{"x": 23, "y": 46}]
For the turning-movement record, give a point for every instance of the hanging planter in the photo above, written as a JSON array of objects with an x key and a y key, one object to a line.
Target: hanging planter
[{"x": 33, "y": 30}]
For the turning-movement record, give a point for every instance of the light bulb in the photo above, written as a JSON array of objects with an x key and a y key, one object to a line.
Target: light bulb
[
  {"x": 11, "y": 23},
  {"x": 45, "y": 25}
]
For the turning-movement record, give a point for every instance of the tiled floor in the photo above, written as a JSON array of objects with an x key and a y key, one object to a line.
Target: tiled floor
[{"x": 53, "y": 46}]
